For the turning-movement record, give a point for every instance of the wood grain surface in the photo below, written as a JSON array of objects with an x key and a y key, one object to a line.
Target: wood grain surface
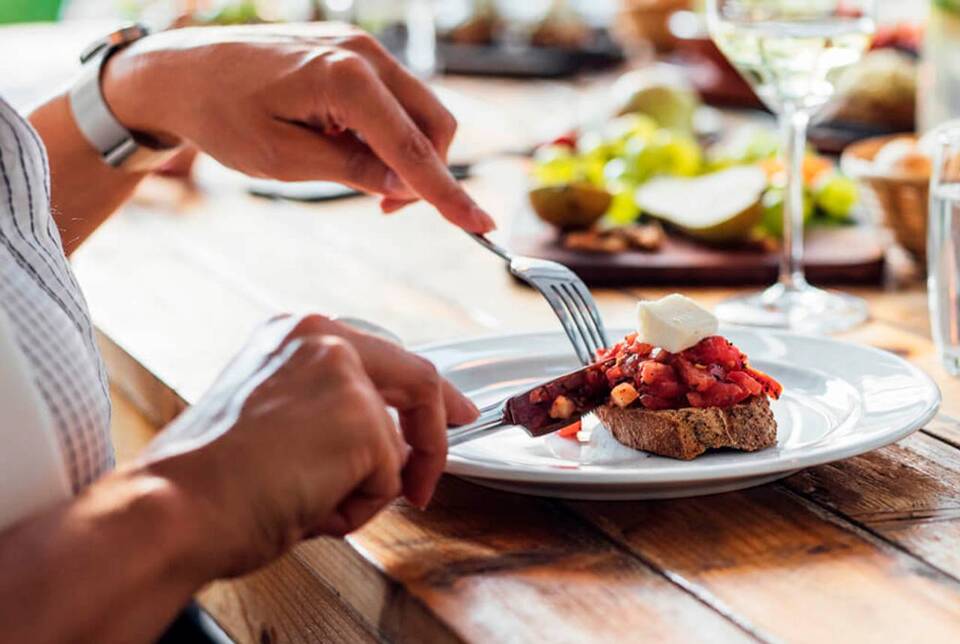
[{"x": 862, "y": 550}]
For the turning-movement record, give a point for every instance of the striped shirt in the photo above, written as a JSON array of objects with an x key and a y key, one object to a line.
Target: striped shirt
[{"x": 43, "y": 302}]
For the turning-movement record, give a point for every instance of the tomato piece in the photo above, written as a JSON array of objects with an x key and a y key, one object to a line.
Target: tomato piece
[
  {"x": 570, "y": 431},
  {"x": 746, "y": 381},
  {"x": 670, "y": 389},
  {"x": 614, "y": 375},
  {"x": 715, "y": 350},
  {"x": 721, "y": 394},
  {"x": 539, "y": 395},
  {"x": 650, "y": 401},
  {"x": 631, "y": 338},
  {"x": 770, "y": 386},
  {"x": 695, "y": 377},
  {"x": 652, "y": 372}
]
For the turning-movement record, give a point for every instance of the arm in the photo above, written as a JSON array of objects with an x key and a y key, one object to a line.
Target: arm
[
  {"x": 113, "y": 565},
  {"x": 294, "y": 102},
  {"x": 293, "y": 440},
  {"x": 84, "y": 190}
]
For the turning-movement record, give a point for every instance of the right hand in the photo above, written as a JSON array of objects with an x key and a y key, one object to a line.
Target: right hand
[
  {"x": 294, "y": 440},
  {"x": 295, "y": 102}
]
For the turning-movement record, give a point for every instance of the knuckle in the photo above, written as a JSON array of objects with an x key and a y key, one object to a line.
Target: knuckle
[
  {"x": 360, "y": 41},
  {"x": 310, "y": 324},
  {"x": 427, "y": 378},
  {"x": 349, "y": 69},
  {"x": 336, "y": 353},
  {"x": 416, "y": 147}
]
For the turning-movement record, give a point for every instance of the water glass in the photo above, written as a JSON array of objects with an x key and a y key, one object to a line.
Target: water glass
[{"x": 943, "y": 250}]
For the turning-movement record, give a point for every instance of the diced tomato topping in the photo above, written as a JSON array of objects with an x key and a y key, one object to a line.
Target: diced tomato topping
[
  {"x": 695, "y": 377},
  {"x": 651, "y": 372},
  {"x": 770, "y": 386},
  {"x": 721, "y": 394},
  {"x": 744, "y": 379},
  {"x": 570, "y": 431},
  {"x": 715, "y": 350},
  {"x": 614, "y": 375},
  {"x": 539, "y": 395},
  {"x": 649, "y": 401},
  {"x": 631, "y": 338},
  {"x": 713, "y": 373}
]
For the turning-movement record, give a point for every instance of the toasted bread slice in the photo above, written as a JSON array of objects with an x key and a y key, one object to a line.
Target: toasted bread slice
[{"x": 689, "y": 432}]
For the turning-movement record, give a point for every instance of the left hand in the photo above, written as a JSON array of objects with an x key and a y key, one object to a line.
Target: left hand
[{"x": 295, "y": 102}]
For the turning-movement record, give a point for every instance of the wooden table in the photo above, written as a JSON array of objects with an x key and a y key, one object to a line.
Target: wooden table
[{"x": 867, "y": 549}]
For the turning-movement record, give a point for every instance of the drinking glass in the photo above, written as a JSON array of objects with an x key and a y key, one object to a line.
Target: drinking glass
[
  {"x": 792, "y": 52},
  {"x": 943, "y": 250}
]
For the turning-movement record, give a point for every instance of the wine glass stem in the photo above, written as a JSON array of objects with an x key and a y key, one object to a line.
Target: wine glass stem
[{"x": 793, "y": 126}]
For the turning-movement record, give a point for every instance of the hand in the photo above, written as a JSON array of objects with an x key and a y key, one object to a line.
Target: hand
[
  {"x": 295, "y": 102},
  {"x": 294, "y": 439}
]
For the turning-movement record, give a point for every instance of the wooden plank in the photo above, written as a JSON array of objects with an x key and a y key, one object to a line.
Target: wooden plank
[
  {"x": 499, "y": 567},
  {"x": 908, "y": 493},
  {"x": 283, "y": 602},
  {"x": 785, "y": 568}
]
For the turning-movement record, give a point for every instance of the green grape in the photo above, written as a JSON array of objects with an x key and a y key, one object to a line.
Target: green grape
[
  {"x": 554, "y": 165},
  {"x": 592, "y": 169},
  {"x": 836, "y": 195},
  {"x": 623, "y": 209},
  {"x": 667, "y": 152},
  {"x": 772, "y": 203}
]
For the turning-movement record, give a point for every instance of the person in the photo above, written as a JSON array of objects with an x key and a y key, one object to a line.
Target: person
[{"x": 295, "y": 438}]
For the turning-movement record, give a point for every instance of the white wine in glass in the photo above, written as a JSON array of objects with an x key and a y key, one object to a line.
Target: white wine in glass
[{"x": 792, "y": 52}]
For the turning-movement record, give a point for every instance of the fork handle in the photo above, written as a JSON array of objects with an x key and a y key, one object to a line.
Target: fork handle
[
  {"x": 484, "y": 241},
  {"x": 490, "y": 418}
]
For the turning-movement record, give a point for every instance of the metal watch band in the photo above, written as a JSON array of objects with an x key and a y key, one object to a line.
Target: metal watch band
[{"x": 117, "y": 145}]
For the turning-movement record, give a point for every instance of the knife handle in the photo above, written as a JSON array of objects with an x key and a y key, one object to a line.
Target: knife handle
[{"x": 491, "y": 417}]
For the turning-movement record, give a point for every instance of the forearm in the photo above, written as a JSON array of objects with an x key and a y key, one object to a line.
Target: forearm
[
  {"x": 84, "y": 189},
  {"x": 113, "y": 565}
]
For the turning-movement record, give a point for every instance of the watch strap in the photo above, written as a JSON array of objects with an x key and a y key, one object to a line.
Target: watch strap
[{"x": 117, "y": 145}]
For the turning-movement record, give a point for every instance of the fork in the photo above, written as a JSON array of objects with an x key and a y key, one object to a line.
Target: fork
[{"x": 565, "y": 292}]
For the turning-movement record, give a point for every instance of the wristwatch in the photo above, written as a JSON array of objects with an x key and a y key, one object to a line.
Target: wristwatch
[{"x": 118, "y": 146}]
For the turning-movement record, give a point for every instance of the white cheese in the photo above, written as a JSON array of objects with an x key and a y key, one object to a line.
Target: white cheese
[{"x": 674, "y": 323}]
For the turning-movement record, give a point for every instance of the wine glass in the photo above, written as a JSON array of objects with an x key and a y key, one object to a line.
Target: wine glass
[{"x": 792, "y": 52}]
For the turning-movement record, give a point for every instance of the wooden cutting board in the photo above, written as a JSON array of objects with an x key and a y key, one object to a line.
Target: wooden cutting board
[{"x": 834, "y": 255}]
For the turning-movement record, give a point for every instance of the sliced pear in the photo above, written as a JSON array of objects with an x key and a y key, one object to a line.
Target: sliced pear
[
  {"x": 719, "y": 208},
  {"x": 571, "y": 206}
]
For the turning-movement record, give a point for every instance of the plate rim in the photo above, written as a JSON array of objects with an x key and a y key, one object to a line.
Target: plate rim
[{"x": 826, "y": 454}]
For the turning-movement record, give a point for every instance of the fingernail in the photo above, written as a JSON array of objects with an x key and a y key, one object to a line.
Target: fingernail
[
  {"x": 396, "y": 187},
  {"x": 483, "y": 222}
]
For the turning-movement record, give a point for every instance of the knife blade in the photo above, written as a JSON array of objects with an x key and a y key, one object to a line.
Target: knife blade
[{"x": 533, "y": 409}]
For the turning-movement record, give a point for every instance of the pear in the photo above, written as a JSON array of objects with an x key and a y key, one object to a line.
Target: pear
[
  {"x": 570, "y": 206},
  {"x": 718, "y": 208}
]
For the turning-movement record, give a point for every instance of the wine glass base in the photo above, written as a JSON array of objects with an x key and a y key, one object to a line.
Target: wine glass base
[{"x": 800, "y": 308}]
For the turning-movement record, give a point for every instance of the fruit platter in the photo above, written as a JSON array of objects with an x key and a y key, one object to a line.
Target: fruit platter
[{"x": 648, "y": 195}]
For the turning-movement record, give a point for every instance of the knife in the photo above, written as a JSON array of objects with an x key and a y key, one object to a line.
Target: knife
[{"x": 586, "y": 388}]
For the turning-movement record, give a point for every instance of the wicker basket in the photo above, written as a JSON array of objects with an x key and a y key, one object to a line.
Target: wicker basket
[{"x": 897, "y": 200}]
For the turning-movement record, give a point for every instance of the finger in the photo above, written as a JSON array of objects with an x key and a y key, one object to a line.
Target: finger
[
  {"x": 426, "y": 403},
  {"x": 382, "y": 486},
  {"x": 393, "y": 136},
  {"x": 390, "y": 205},
  {"x": 300, "y": 153},
  {"x": 416, "y": 97},
  {"x": 460, "y": 409}
]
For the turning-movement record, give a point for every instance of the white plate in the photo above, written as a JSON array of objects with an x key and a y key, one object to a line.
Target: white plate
[{"x": 840, "y": 399}]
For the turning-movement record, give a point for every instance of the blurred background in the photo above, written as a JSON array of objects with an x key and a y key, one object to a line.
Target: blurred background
[{"x": 612, "y": 92}]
